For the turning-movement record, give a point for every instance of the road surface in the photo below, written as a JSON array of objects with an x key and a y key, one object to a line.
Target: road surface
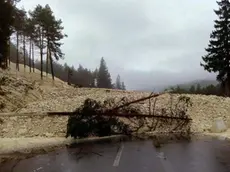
[{"x": 131, "y": 156}]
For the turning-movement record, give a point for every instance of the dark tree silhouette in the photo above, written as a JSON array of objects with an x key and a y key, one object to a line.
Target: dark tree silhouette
[
  {"x": 217, "y": 59},
  {"x": 7, "y": 18},
  {"x": 118, "y": 82},
  {"x": 103, "y": 77},
  {"x": 123, "y": 87}
]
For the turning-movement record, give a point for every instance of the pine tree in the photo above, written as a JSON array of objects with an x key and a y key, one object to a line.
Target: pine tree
[
  {"x": 7, "y": 18},
  {"x": 95, "y": 74},
  {"x": 32, "y": 52},
  {"x": 53, "y": 34},
  {"x": 198, "y": 89},
  {"x": 123, "y": 86},
  {"x": 103, "y": 77},
  {"x": 19, "y": 29},
  {"x": 39, "y": 33},
  {"x": 69, "y": 74},
  {"x": 118, "y": 82},
  {"x": 218, "y": 59},
  {"x": 24, "y": 35},
  {"x": 192, "y": 89},
  {"x": 29, "y": 32}
]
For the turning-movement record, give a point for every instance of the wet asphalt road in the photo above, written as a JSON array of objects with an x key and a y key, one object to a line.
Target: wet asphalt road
[{"x": 131, "y": 156}]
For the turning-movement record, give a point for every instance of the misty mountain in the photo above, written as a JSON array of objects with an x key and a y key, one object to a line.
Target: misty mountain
[
  {"x": 202, "y": 83},
  {"x": 186, "y": 85}
]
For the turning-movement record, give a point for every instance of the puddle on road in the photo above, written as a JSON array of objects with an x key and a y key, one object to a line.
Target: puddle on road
[{"x": 180, "y": 153}]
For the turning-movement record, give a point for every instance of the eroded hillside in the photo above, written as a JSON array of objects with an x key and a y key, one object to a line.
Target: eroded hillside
[{"x": 25, "y": 92}]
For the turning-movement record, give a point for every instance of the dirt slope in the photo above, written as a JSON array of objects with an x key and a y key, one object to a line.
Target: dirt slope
[
  {"x": 18, "y": 88},
  {"x": 25, "y": 92}
]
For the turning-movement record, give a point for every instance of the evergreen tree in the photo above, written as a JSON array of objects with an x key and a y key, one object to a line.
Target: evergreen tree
[
  {"x": 24, "y": 34},
  {"x": 7, "y": 17},
  {"x": 123, "y": 86},
  {"x": 118, "y": 82},
  {"x": 53, "y": 34},
  {"x": 70, "y": 74},
  {"x": 192, "y": 89},
  {"x": 198, "y": 89},
  {"x": 19, "y": 26},
  {"x": 29, "y": 32},
  {"x": 48, "y": 33},
  {"x": 103, "y": 77},
  {"x": 37, "y": 16},
  {"x": 218, "y": 58},
  {"x": 95, "y": 74}
]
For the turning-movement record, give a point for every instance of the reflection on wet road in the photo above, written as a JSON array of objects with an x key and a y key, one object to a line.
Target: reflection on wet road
[{"x": 131, "y": 156}]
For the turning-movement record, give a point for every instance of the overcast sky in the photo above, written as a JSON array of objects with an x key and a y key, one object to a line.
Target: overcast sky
[{"x": 148, "y": 42}]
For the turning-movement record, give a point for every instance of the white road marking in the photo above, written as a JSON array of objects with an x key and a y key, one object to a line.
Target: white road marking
[{"x": 118, "y": 157}]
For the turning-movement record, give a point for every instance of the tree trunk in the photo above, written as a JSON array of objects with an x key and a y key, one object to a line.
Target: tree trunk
[
  {"x": 41, "y": 51},
  {"x": 9, "y": 45},
  {"x": 30, "y": 48},
  {"x": 17, "y": 55},
  {"x": 68, "y": 76},
  {"x": 51, "y": 65},
  {"x": 6, "y": 48},
  {"x": 47, "y": 59},
  {"x": 24, "y": 51},
  {"x": 33, "y": 56},
  {"x": 227, "y": 85},
  {"x": 3, "y": 52},
  {"x": 1, "y": 49},
  {"x": 6, "y": 54}
]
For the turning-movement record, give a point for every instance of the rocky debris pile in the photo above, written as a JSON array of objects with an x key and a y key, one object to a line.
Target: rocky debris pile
[
  {"x": 204, "y": 109},
  {"x": 19, "y": 93},
  {"x": 15, "y": 92},
  {"x": 18, "y": 88},
  {"x": 76, "y": 98}
]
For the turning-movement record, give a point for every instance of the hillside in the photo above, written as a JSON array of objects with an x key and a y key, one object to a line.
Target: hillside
[
  {"x": 25, "y": 92},
  {"x": 20, "y": 87},
  {"x": 22, "y": 90}
]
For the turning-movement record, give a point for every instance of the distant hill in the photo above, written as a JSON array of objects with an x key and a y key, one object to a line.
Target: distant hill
[
  {"x": 203, "y": 83},
  {"x": 187, "y": 85}
]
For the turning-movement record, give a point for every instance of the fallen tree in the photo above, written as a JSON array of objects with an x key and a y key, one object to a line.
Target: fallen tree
[{"x": 95, "y": 118}]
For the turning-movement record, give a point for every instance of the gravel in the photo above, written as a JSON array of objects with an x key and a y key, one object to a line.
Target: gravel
[{"x": 24, "y": 94}]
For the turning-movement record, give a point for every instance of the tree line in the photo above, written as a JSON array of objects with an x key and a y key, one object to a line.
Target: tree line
[
  {"x": 80, "y": 76},
  {"x": 197, "y": 89},
  {"x": 83, "y": 77},
  {"x": 39, "y": 30}
]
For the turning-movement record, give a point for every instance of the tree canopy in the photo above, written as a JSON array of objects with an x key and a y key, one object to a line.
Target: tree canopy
[
  {"x": 7, "y": 19},
  {"x": 103, "y": 76}
]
